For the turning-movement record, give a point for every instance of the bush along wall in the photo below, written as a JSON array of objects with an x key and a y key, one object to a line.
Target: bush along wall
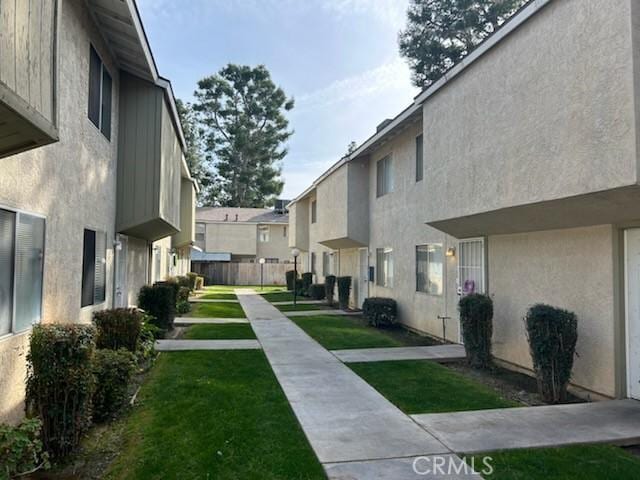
[
  {"x": 113, "y": 370},
  {"x": 192, "y": 278},
  {"x": 317, "y": 291},
  {"x": 21, "y": 449},
  {"x": 291, "y": 277},
  {"x": 344, "y": 289},
  {"x": 476, "y": 316},
  {"x": 118, "y": 328},
  {"x": 159, "y": 301},
  {"x": 552, "y": 334},
  {"x": 199, "y": 282},
  {"x": 307, "y": 280},
  {"x": 380, "y": 312},
  {"x": 329, "y": 288},
  {"x": 60, "y": 383}
]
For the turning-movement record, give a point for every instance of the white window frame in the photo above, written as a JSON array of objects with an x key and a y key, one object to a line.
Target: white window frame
[
  {"x": 384, "y": 169},
  {"x": 482, "y": 267},
  {"x": 17, "y": 213},
  {"x": 428, "y": 272},
  {"x": 203, "y": 233},
  {"x": 314, "y": 211},
  {"x": 103, "y": 69},
  {"x": 385, "y": 277},
  {"x": 262, "y": 237}
]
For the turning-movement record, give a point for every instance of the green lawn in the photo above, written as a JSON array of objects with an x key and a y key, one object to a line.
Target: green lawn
[
  {"x": 582, "y": 462},
  {"x": 219, "y": 296},
  {"x": 423, "y": 386},
  {"x": 283, "y": 296},
  {"x": 216, "y": 310},
  {"x": 229, "y": 331},
  {"x": 336, "y": 332},
  {"x": 214, "y": 415},
  {"x": 302, "y": 307},
  {"x": 231, "y": 288}
]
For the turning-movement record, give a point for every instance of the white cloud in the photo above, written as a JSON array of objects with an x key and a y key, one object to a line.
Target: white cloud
[{"x": 387, "y": 11}]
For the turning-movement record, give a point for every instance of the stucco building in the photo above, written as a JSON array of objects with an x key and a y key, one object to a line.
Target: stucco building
[
  {"x": 96, "y": 199},
  {"x": 516, "y": 174}
]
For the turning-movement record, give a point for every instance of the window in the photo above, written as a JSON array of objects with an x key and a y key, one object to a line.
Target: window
[
  {"x": 384, "y": 176},
  {"x": 21, "y": 261},
  {"x": 157, "y": 263},
  {"x": 94, "y": 263},
  {"x": 200, "y": 231},
  {"x": 263, "y": 233},
  {"x": 314, "y": 212},
  {"x": 326, "y": 265},
  {"x": 419, "y": 163},
  {"x": 471, "y": 266},
  {"x": 384, "y": 264},
  {"x": 100, "y": 87},
  {"x": 313, "y": 262},
  {"x": 429, "y": 269},
  {"x": 284, "y": 232}
]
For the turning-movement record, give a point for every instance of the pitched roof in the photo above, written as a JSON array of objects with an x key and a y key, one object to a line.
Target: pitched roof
[{"x": 244, "y": 215}]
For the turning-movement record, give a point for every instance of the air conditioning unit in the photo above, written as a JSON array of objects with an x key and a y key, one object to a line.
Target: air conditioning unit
[{"x": 281, "y": 206}]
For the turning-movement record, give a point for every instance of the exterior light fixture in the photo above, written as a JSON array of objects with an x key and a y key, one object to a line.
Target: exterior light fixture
[
  {"x": 261, "y": 262},
  {"x": 295, "y": 252},
  {"x": 451, "y": 252}
]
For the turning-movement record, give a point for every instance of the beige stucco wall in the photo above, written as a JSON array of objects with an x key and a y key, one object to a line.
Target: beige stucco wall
[
  {"x": 299, "y": 225},
  {"x": 137, "y": 267},
  {"x": 238, "y": 238},
  {"x": 546, "y": 114},
  {"x": 571, "y": 269},
  {"x": 71, "y": 183},
  {"x": 278, "y": 244}
]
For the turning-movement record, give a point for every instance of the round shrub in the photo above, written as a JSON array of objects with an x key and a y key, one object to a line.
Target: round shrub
[
  {"x": 60, "y": 383},
  {"x": 329, "y": 288},
  {"x": 199, "y": 283},
  {"x": 159, "y": 301},
  {"x": 291, "y": 277},
  {"x": 118, "y": 328},
  {"x": 344, "y": 288},
  {"x": 317, "y": 291},
  {"x": 552, "y": 334},
  {"x": 192, "y": 278},
  {"x": 380, "y": 312},
  {"x": 307, "y": 280},
  {"x": 183, "y": 307},
  {"x": 476, "y": 315},
  {"x": 113, "y": 370},
  {"x": 183, "y": 295}
]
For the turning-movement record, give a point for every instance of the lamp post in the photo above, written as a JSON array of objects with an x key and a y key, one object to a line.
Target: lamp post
[
  {"x": 295, "y": 252},
  {"x": 262, "y": 260}
]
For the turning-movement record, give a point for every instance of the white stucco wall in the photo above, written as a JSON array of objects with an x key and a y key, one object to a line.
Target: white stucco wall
[{"x": 278, "y": 244}]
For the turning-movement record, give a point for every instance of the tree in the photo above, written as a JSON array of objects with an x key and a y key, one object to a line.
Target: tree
[
  {"x": 199, "y": 166},
  {"x": 440, "y": 33},
  {"x": 242, "y": 114},
  {"x": 352, "y": 147}
]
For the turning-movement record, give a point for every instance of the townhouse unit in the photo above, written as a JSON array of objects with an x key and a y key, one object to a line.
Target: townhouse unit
[
  {"x": 242, "y": 235},
  {"x": 516, "y": 175},
  {"x": 96, "y": 199}
]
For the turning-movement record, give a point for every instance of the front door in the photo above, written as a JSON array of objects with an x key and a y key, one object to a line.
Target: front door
[
  {"x": 471, "y": 270},
  {"x": 363, "y": 280},
  {"x": 121, "y": 297},
  {"x": 632, "y": 303}
]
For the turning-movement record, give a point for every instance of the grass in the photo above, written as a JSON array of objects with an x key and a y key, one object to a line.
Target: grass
[
  {"x": 214, "y": 415},
  {"x": 335, "y": 332},
  {"x": 423, "y": 386},
  {"x": 302, "y": 307},
  {"x": 231, "y": 288},
  {"x": 216, "y": 310},
  {"x": 230, "y": 331},
  {"x": 219, "y": 296},
  {"x": 283, "y": 296},
  {"x": 583, "y": 462}
]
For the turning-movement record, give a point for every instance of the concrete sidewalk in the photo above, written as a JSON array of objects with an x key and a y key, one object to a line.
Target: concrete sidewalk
[
  {"x": 439, "y": 353},
  {"x": 186, "y": 321},
  {"x": 347, "y": 422},
  {"x": 211, "y": 300},
  {"x": 184, "y": 345},
  {"x": 311, "y": 313}
]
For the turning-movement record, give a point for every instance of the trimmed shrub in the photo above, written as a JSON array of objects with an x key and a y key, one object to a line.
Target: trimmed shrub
[
  {"x": 118, "y": 328},
  {"x": 60, "y": 383},
  {"x": 344, "y": 288},
  {"x": 21, "y": 449},
  {"x": 159, "y": 301},
  {"x": 329, "y": 288},
  {"x": 199, "y": 283},
  {"x": 552, "y": 334},
  {"x": 316, "y": 291},
  {"x": 192, "y": 277},
  {"x": 183, "y": 307},
  {"x": 182, "y": 281},
  {"x": 307, "y": 280},
  {"x": 113, "y": 370},
  {"x": 148, "y": 336},
  {"x": 290, "y": 279},
  {"x": 476, "y": 315},
  {"x": 380, "y": 312},
  {"x": 183, "y": 295}
]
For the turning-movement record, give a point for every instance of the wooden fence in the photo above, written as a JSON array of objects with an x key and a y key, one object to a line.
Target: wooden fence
[{"x": 223, "y": 273}]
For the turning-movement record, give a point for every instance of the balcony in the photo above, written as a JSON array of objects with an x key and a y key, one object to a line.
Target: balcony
[
  {"x": 27, "y": 79},
  {"x": 149, "y": 162},
  {"x": 187, "y": 234}
]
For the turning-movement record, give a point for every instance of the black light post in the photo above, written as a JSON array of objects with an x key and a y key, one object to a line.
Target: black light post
[
  {"x": 295, "y": 252},
  {"x": 262, "y": 260}
]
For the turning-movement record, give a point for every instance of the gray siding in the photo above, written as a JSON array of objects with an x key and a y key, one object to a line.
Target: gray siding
[{"x": 187, "y": 234}]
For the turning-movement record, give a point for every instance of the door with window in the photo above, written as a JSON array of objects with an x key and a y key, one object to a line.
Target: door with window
[
  {"x": 362, "y": 284},
  {"x": 121, "y": 297},
  {"x": 471, "y": 269},
  {"x": 632, "y": 309}
]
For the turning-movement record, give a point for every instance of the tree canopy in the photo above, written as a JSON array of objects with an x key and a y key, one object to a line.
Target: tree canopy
[
  {"x": 440, "y": 33},
  {"x": 242, "y": 114}
]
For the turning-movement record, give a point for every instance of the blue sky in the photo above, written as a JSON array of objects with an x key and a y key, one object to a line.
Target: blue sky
[{"x": 337, "y": 58}]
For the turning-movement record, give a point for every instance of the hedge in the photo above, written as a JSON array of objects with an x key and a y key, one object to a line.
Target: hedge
[
  {"x": 307, "y": 280},
  {"x": 552, "y": 334},
  {"x": 344, "y": 288},
  {"x": 60, "y": 383},
  {"x": 329, "y": 288},
  {"x": 317, "y": 291},
  {"x": 380, "y": 312},
  {"x": 199, "y": 282},
  {"x": 192, "y": 279},
  {"x": 113, "y": 370},
  {"x": 21, "y": 449},
  {"x": 476, "y": 315},
  {"x": 159, "y": 301},
  {"x": 291, "y": 274},
  {"x": 118, "y": 328}
]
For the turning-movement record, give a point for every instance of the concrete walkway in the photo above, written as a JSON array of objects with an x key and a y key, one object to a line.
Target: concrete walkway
[
  {"x": 614, "y": 421},
  {"x": 186, "y": 321},
  {"x": 439, "y": 353},
  {"x": 311, "y": 313},
  {"x": 299, "y": 302},
  {"x": 182, "y": 345},
  {"x": 211, "y": 300},
  {"x": 347, "y": 422}
]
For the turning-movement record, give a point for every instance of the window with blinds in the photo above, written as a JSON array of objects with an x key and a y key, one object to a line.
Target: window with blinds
[
  {"x": 471, "y": 266},
  {"x": 21, "y": 269},
  {"x": 384, "y": 176},
  {"x": 430, "y": 269},
  {"x": 419, "y": 161},
  {"x": 384, "y": 266},
  {"x": 94, "y": 265},
  {"x": 100, "y": 91}
]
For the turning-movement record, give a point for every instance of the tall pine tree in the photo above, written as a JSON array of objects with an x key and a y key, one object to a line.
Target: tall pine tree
[{"x": 243, "y": 117}]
